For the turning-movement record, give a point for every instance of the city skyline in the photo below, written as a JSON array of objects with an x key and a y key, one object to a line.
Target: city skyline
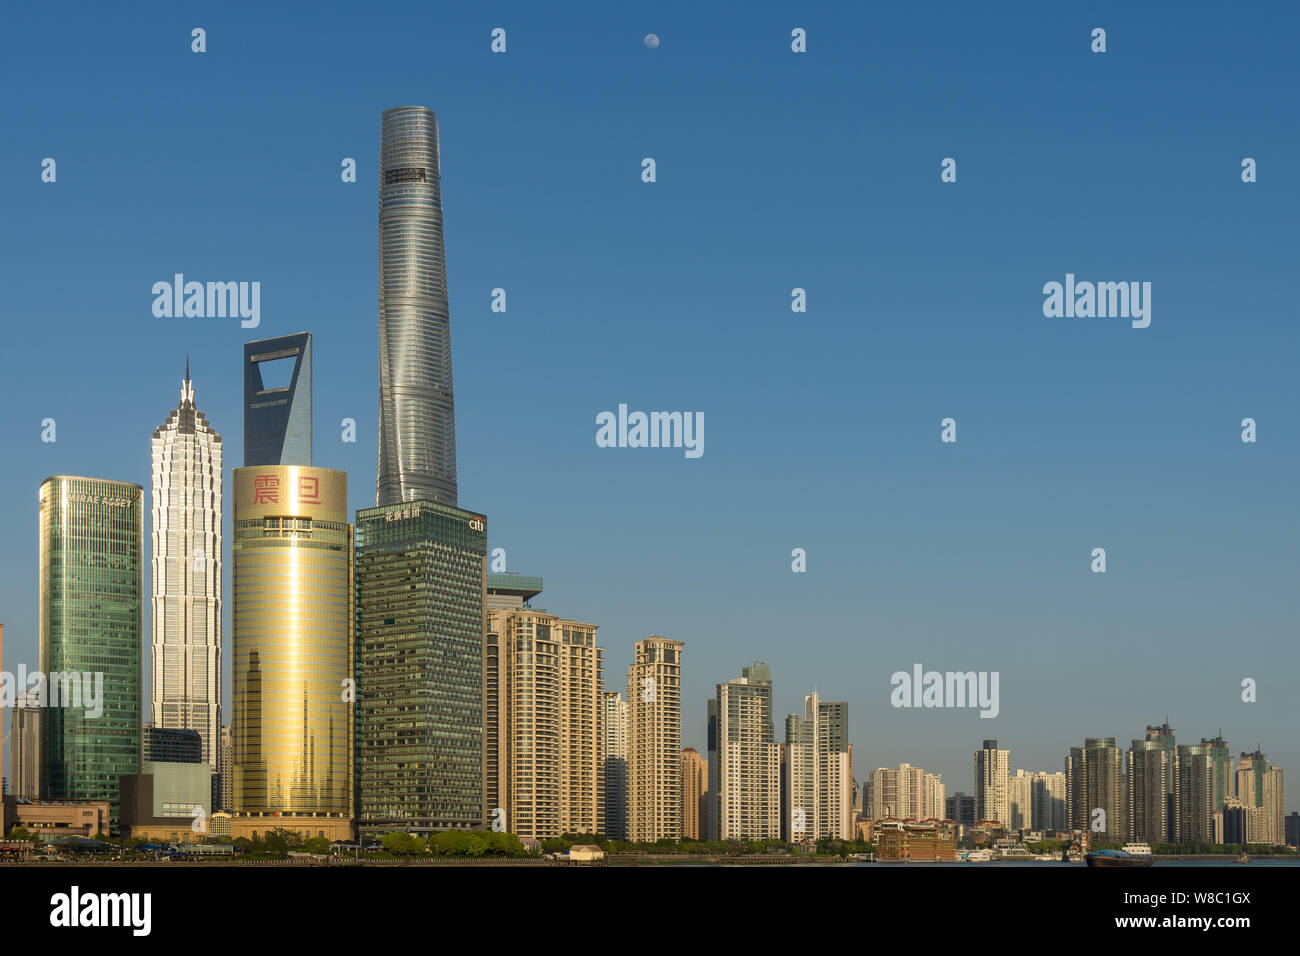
[{"x": 980, "y": 564}]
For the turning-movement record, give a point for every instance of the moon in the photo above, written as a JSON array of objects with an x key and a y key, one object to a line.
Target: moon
[{"x": 651, "y": 40}]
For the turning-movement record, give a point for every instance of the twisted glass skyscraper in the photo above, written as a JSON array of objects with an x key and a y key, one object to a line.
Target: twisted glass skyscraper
[{"x": 417, "y": 422}]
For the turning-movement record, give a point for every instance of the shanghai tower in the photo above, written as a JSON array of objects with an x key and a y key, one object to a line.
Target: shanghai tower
[{"x": 417, "y": 421}]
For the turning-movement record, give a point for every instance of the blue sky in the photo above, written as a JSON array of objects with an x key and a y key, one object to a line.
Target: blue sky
[{"x": 775, "y": 171}]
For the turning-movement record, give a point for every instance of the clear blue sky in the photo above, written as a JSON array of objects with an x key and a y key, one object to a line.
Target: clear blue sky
[{"x": 775, "y": 170}]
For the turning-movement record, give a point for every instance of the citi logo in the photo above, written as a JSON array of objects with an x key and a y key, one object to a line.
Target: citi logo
[
  {"x": 74, "y": 909},
  {"x": 475, "y": 524},
  {"x": 212, "y": 300}
]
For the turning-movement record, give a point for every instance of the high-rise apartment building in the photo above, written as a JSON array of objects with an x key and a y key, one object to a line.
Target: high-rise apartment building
[
  {"x": 543, "y": 708},
  {"x": 906, "y": 793},
  {"x": 1152, "y": 787},
  {"x": 1221, "y": 776},
  {"x": 654, "y": 741},
  {"x": 695, "y": 790},
  {"x": 278, "y": 401},
  {"x": 292, "y": 667},
  {"x": 744, "y": 759},
  {"x": 90, "y": 600},
  {"x": 1196, "y": 808},
  {"x": 992, "y": 768},
  {"x": 417, "y": 421},
  {"x": 1095, "y": 790},
  {"x": 1047, "y": 801},
  {"x": 817, "y": 773},
  {"x": 25, "y": 747},
  {"x": 187, "y": 562},
  {"x": 1261, "y": 787},
  {"x": 421, "y": 570},
  {"x": 1020, "y": 801},
  {"x": 960, "y": 808},
  {"x": 226, "y": 771},
  {"x": 613, "y": 759}
]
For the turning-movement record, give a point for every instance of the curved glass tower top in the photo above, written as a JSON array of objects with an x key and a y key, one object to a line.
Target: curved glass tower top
[{"x": 417, "y": 421}]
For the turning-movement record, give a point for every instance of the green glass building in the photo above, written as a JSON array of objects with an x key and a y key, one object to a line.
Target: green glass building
[
  {"x": 91, "y": 583},
  {"x": 421, "y": 573}
]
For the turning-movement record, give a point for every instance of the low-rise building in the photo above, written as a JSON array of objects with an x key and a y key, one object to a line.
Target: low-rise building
[
  {"x": 56, "y": 818},
  {"x": 916, "y": 841},
  {"x": 586, "y": 853}
]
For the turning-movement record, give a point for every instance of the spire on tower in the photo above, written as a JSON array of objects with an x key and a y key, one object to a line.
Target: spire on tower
[{"x": 187, "y": 387}]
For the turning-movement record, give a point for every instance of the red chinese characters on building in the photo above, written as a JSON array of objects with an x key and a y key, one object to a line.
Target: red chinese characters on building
[
  {"x": 309, "y": 491},
  {"x": 266, "y": 490}
]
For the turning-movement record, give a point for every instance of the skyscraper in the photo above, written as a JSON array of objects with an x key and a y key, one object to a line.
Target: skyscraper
[
  {"x": 654, "y": 741},
  {"x": 960, "y": 808},
  {"x": 421, "y": 571},
  {"x": 25, "y": 747},
  {"x": 1261, "y": 788},
  {"x": 744, "y": 759},
  {"x": 908, "y": 793},
  {"x": 226, "y": 772},
  {"x": 695, "y": 788},
  {"x": 1095, "y": 790},
  {"x": 613, "y": 756},
  {"x": 90, "y": 597},
  {"x": 417, "y": 421},
  {"x": 1196, "y": 808},
  {"x": 992, "y": 767},
  {"x": 543, "y": 676},
  {"x": 1152, "y": 787},
  {"x": 817, "y": 773},
  {"x": 1220, "y": 757},
  {"x": 277, "y": 401},
  {"x": 292, "y": 659},
  {"x": 1047, "y": 797},
  {"x": 186, "y": 537},
  {"x": 1020, "y": 800}
]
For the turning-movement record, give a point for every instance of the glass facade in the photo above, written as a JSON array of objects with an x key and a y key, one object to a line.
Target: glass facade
[
  {"x": 417, "y": 420},
  {"x": 421, "y": 572},
  {"x": 91, "y": 591},
  {"x": 277, "y": 401},
  {"x": 292, "y": 622}
]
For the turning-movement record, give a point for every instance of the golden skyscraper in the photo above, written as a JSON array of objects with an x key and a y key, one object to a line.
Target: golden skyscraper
[{"x": 292, "y": 666}]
